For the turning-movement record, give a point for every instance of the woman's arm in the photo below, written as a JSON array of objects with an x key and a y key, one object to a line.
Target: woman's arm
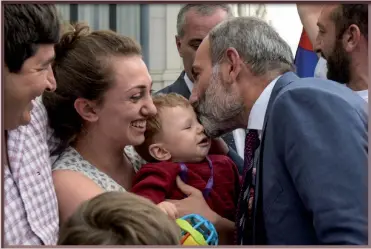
[{"x": 72, "y": 189}]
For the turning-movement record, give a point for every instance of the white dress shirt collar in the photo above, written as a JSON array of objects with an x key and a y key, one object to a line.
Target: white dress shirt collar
[
  {"x": 257, "y": 113},
  {"x": 188, "y": 82}
]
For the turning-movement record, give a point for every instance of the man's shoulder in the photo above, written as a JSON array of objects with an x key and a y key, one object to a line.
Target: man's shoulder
[
  {"x": 320, "y": 91},
  {"x": 179, "y": 86},
  {"x": 39, "y": 109},
  {"x": 39, "y": 119},
  {"x": 316, "y": 85},
  {"x": 31, "y": 137},
  {"x": 174, "y": 87},
  {"x": 167, "y": 89},
  {"x": 319, "y": 99}
]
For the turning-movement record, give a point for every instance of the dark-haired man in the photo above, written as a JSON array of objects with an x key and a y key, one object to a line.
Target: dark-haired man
[
  {"x": 339, "y": 32},
  {"x": 31, "y": 211}
]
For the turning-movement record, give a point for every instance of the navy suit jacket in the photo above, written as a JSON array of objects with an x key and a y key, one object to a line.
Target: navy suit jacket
[
  {"x": 180, "y": 87},
  {"x": 312, "y": 166}
]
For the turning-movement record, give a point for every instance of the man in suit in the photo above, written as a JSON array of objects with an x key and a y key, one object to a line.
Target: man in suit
[
  {"x": 193, "y": 23},
  {"x": 306, "y": 148}
]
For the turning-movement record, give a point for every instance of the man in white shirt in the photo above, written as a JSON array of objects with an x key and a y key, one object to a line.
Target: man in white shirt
[
  {"x": 193, "y": 24},
  {"x": 30, "y": 203},
  {"x": 339, "y": 33},
  {"x": 321, "y": 72}
]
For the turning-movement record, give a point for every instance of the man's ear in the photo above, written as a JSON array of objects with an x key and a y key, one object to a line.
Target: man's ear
[
  {"x": 158, "y": 152},
  {"x": 86, "y": 109},
  {"x": 351, "y": 38},
  {"x": 232, "y": 65},
  {"x": 178, "y": 45}
]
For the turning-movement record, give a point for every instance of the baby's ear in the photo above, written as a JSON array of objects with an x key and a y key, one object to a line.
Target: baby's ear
[{"x": 158, "y": 152}]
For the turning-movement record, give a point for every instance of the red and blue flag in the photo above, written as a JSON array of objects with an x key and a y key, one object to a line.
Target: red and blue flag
[{"x": 305, "y": 59}]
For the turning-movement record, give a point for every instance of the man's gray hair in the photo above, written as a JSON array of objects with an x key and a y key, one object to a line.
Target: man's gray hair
[
  {"x": 201, "y": 9},
  {"x": 257, "y": 43}
]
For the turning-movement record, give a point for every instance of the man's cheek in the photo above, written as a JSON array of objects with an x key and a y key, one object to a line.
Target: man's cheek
[
  {"x": 194, "y": 95},
  {"x": 202, "y": 86}
]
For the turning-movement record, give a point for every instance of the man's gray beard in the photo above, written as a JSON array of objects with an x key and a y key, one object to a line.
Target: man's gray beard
[
  {"x": 214, "y": 131},
  {"x": 219, "y": 115}
]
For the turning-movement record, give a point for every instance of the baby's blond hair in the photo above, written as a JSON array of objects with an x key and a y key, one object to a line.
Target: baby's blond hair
[{"x": 119, "y": 218}]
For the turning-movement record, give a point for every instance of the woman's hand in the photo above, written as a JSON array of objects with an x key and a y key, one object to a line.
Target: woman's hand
[{"x": 194, "y": 203}]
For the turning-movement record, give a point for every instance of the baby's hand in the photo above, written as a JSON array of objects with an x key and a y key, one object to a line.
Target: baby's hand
[{"x": 169, "y": 208}]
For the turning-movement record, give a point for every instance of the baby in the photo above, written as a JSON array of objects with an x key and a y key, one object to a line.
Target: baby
[{"x": 175, "y": 144}]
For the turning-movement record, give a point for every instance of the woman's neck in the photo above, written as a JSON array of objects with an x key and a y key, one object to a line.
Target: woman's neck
[{"x": 105, "y": 156}]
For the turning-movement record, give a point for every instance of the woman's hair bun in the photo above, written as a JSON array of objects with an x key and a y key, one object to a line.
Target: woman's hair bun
[{"x": 71, "y": 33}]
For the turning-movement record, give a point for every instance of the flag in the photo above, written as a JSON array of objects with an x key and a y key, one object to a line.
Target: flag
[{"x": 305, "y": 59}]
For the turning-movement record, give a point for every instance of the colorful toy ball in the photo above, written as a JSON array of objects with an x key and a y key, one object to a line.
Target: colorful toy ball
[{"x": 197, "y": 231}]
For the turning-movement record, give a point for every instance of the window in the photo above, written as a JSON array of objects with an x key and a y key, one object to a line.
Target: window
[{"x": 126, "y": 19}]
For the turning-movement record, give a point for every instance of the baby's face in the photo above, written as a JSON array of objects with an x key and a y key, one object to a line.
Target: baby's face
[{"x": 182, "y": 135}]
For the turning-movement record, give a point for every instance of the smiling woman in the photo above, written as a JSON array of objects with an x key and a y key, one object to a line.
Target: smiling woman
[{"x": 100, "y": 106}]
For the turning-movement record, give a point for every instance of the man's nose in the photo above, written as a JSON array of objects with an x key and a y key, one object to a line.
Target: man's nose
[
  {"x": 317, "y": 46},
  {"x": 194, "y": 96}
]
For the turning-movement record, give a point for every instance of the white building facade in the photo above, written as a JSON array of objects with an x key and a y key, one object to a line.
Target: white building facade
[{"x": 152, "y": 25}]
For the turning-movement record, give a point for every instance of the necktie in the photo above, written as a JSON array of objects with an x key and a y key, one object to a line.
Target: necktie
[
  {"x": 243, "y": 234},
  {"x": 228, "y": 138}
]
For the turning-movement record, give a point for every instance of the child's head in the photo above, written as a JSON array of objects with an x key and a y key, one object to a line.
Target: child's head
[
  {"x": 119, "y": 218},
  {"x": 174, "y": 133}
]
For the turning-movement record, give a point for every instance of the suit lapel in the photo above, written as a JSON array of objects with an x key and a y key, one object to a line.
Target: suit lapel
[
  {"x": 285, "y": 79},
  {"x": 180, "y": 86},
  {"x": 258, "y": 229}
]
